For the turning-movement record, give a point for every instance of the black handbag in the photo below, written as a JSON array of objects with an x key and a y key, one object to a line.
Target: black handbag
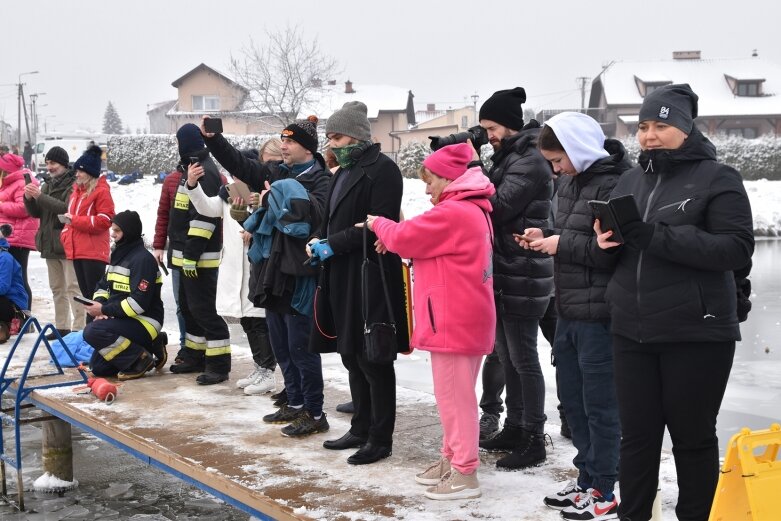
[{"x": 379, "y": 338}]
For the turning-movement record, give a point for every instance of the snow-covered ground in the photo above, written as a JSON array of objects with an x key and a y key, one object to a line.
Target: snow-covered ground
[{"x": 505, "y": 494}]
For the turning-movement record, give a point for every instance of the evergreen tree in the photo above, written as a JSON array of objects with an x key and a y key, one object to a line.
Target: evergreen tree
[{"x": 112, "y": 124}]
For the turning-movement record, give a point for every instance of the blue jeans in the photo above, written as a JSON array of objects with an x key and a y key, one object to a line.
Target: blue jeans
[
  {"x": 584, "y": 370},
  {"x": 302, "y": 370},
  {"x": 516, "y": 344},
  {"x": 175, "y": 275}
]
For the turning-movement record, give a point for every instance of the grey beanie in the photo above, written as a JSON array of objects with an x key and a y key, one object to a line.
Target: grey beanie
[
  {"x": 675, "y": 105},
  {"x": 351, "y": 120}
]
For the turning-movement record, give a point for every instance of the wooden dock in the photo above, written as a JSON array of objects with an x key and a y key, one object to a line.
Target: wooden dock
[{"x": 213, "y": 437}]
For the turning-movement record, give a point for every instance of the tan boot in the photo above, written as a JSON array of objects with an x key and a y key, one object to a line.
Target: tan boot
[
  {"x": 434, "y": 474},
  {"x": 455, "y": 485}
]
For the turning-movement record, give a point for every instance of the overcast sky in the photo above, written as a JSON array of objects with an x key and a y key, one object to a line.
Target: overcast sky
[{"x": 90, "y": 52}]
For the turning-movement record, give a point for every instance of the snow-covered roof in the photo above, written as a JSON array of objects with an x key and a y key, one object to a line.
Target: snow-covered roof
[
  {"x": 706, "y": 77},
  {"x": 177, "y": 82},
  {"x": 376, "y": 98}
]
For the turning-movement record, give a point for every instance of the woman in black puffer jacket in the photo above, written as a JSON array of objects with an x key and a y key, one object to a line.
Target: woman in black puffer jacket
[{"x": 672, "y": 300}]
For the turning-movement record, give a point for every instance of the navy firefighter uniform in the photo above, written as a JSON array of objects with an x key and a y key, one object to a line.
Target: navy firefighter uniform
[{"x": 130, "y": 296}]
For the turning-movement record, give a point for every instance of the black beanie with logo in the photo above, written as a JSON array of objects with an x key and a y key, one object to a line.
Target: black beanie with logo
[{"x": 674, "y": 104}]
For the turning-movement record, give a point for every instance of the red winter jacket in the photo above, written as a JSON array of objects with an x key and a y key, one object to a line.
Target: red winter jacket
[
  {"x": 13, "y": 212},
  {"x": 87, "y": 237},
  {"x": 167, "y": 195}
]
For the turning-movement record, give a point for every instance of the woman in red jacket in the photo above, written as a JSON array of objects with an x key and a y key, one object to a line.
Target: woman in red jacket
[
  {"x": 12, "y": 211},
  {"x": 87, "y": 222},
  {"x": 455, "y": 316}
]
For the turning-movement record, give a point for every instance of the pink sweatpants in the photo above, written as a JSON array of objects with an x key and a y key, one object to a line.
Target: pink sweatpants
[{"x": 455, "y": 376}]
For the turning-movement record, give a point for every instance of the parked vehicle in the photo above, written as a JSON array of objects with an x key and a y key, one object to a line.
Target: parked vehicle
[{"x": 74, "y": 146}]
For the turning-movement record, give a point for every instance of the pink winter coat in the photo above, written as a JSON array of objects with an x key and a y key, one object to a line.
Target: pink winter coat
[
  {"x": 450, "y": 246},
  {"x": 13, "y": 212}
]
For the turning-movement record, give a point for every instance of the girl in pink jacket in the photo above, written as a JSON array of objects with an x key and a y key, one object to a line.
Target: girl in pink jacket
[
  {"x": 13, "y": 212},
  {"x": 455, "y": 317}
]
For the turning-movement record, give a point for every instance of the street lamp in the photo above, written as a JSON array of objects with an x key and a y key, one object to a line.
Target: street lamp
[
  {"x": 475, "y": 97},
  {"x": 34, "y": 112},
  {"x": 21, "y": 108}
]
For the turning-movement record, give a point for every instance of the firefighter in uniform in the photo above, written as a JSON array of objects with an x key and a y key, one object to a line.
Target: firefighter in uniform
[
  {"x": 195, "y": 245},
  {"x": 128, "y": 310}
]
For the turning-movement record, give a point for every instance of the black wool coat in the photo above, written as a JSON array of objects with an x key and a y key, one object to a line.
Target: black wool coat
[
  {"x": 523, "y": 279},
  {"x": 373, "y": 186}
]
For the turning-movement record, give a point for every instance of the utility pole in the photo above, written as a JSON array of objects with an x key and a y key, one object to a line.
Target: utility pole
[
  {"x": 583, "y": 80},
  {"x": 22, "y": 107},
  {"x": 475, "y": 97}
]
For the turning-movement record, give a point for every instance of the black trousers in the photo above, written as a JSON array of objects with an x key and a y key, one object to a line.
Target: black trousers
[
  {"x": 373, "y": 391},
  {"x": 118, "y": 343},
  {"x": 7, "y": 309},
  {"x": 88, "y": 274},
  {"x": 207, "y": 337},
  {"x": 493, "y": 372},
  {"x": 256, "y": 330},
  {"x": 22, "y": 255},
  {"x": 680, "y": 386}
]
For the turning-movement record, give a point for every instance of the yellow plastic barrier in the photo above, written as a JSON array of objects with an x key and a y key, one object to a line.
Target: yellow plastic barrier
[{"x": 749, "y": 487}]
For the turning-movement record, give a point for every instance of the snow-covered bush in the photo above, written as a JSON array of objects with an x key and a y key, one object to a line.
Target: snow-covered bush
[
  {"x": 153, "y": 153},
  {"x": 411, "y": 156},
  {"x": 758, "y": 158}
]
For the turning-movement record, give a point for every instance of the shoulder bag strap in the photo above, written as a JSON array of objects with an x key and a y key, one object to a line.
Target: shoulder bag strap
[{"x": 365, "y": 281}]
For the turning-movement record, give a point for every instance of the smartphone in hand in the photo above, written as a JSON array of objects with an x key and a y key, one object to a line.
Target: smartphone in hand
[
  {"x": 27, "y": 178},
  {"x": 213, "y": 125},
  {"x": 83, "y": 300},
  {"x": 520, "y": 237},
  {"x": 63, "y": 219}
]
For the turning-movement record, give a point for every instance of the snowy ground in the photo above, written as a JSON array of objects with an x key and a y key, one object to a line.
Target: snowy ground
[{"x": 506, "y": 495}]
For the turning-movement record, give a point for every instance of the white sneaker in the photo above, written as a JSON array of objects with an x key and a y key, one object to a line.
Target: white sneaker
[
  {"x": 263, "y": 384},
  {"x": 250, "y": 379}
]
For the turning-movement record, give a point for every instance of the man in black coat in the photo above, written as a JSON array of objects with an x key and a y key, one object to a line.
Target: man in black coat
[
  {"x": 367, "y": 182},
  {"x": 523, "y": 279}
]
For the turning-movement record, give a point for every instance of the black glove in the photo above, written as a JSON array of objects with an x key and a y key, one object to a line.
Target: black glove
[{"x": 637, "y": 234}]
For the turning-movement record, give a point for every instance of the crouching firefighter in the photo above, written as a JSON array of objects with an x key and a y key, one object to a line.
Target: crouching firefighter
[{"x": 128, "y": 310}]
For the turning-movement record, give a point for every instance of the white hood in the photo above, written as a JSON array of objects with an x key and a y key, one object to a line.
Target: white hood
[{"x": 581, "y": 136}]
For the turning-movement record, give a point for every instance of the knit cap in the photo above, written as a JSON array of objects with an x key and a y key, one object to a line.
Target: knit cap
[
  {"x": 504, "y": 107},
  {"x": 351, "y": 120},
  {"x": 303, "y": 132},
  {"x": 451, "y": 161},
  {"x": 674, "y": 104},
  {"x": 11, "y": 163},
  {"x": 130, "y": 224},
  {"x": 58, "y": 155},
  {"x": 89, "y": 162}
]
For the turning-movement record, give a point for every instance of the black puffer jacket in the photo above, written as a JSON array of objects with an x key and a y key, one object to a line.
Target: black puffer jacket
[
  {"x": 583, "y": 269},
  {"x": 523, "y": 279},
  {"x": 682, "y": 288}
]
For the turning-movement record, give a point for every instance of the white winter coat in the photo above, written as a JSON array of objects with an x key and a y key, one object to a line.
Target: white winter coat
[{"x": 233, "y": 278}]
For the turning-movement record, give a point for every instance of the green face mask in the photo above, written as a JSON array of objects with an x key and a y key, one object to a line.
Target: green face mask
[{"x": 343, "y": 155}]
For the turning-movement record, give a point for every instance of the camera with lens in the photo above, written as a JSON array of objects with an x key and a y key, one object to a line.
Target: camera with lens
[{"x": 477, "y": 135}]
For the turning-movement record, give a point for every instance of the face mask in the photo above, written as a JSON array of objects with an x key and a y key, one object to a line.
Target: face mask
[{"x": 344, "y": 154}]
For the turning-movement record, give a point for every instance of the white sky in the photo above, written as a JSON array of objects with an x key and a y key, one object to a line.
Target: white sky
[{"x": 89, "y": 52}]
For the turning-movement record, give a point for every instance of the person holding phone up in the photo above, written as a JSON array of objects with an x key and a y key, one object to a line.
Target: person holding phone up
[
  {"x": 673, "y": 303},
  {"x": 46, "y": 203},
  {"x": 13, "y": 178},
  {"x": 589, "y": 167}
]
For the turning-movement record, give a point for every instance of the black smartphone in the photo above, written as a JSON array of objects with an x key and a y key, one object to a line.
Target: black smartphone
[
  {"x": 83, "y": 300},
  {"x": 27, "y": 179},
  {"x": 213, "y": 125},
  {"x": 162, "y": 267},
  {"x": 607, "y": 219},
  {"x": 194, "y": 160}
]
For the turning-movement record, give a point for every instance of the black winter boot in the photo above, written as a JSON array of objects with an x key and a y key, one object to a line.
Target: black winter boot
[
  {"x": 530, "y": 454},
  {"x": 509, "y": 438}
]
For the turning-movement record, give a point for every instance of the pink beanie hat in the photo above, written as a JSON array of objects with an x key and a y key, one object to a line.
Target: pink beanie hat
[
  {"x": 11, "y": 163},
  {"x": 451, "y": 161}
]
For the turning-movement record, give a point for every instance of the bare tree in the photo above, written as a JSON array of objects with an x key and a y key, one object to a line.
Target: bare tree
[{"x": 284, "y": 74}]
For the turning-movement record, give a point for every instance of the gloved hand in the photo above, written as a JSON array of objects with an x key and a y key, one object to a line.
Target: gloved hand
[
  {"x": 321, "y": 250},
  {"x": 189, "y": 268},
  {"x": 239, "y": 212},
  {"x": 637, "y": 234}
]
